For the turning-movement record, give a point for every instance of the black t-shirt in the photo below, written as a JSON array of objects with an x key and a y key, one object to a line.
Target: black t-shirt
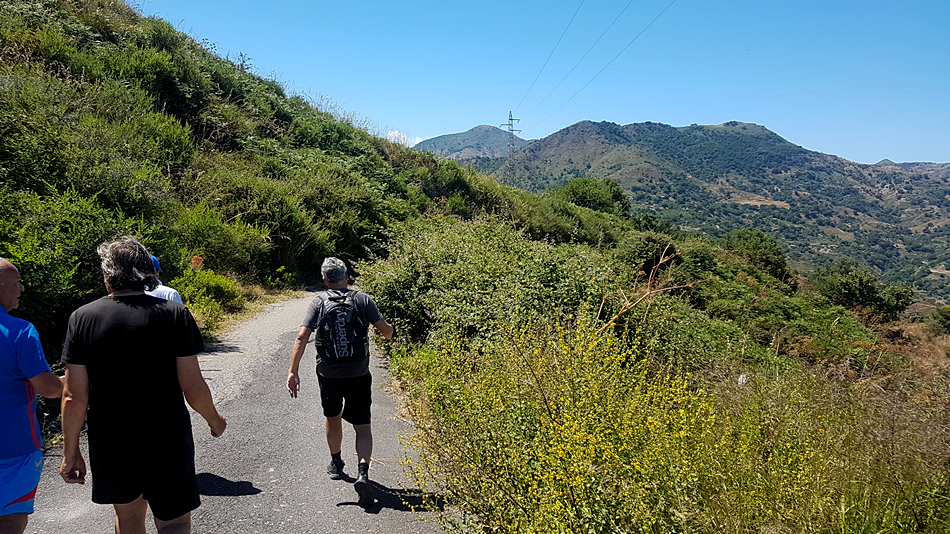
[
  {"x": 368, "y": 312},
  {"x": 130, "y": 347}
]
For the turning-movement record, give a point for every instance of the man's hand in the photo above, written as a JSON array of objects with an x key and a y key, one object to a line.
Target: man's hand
[
  {"x": 73, "y": 469},
  {"x": 293, "y": 373},
  {"x": 48, "y": 385},
  {"x": 385, "y": 329},
  {"x": 218, "y": 425},
  {"x": 293, "y": 383}
]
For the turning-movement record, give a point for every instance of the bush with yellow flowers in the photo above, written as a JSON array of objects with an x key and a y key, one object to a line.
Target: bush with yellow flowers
[
  {"x": 550, "y": 429},
  {"x": 556, "y": 390}
]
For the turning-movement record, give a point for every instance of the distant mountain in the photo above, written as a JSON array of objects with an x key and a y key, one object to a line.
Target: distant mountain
[
  {"x": 936, "y": 170},
  {"x": 894, "y": 217},
  {"x": 480, "y": 142}
]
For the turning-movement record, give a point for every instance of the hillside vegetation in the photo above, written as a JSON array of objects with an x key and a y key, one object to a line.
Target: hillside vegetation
[
  {"x": 715, "y": 179},
  {"x": 569, "y": 367}
]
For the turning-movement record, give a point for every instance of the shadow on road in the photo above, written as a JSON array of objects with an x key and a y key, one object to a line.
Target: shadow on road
[
  {"x": 402, "y": 500},
  {"x": 210, "y": 484},
  {"x": 218, "y": 347}
]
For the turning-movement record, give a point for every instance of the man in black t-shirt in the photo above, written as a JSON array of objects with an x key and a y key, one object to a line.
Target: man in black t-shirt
[
  {"x": 345, "y": 382},
  {"x": 129, "y": 359}
]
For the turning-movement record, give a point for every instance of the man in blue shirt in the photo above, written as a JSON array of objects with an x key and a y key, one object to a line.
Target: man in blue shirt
[{"x": 23, "y": 373}]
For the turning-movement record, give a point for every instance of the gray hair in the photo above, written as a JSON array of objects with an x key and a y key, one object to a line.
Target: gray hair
[
  {"x": 334, "y": 270},
  {"x": 127, "y": 265}
]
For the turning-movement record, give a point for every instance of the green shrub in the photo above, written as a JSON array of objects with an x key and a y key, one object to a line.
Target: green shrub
[
  {"x": 602, "y": 195},
  {"x": 205, "y": 282},
  {"x": 942, "y": 317},
  {"x": 644, "y": 251},
  {"x": 281, "y": 279},
  {"x": 760, "y": 249},
  {"x": 648, "y": 222},
  {"x": 325, "y": 133},
  {"x": 232, "y": 246},
  {"x": 447, "y": 180},
  {"x": 696, "y": 262},
  {"x": 53, "y": 241},
  {"x": 443, "y": 275},
  {"x": 844, "y": 283},
  {"x": 208, "y": 295}
]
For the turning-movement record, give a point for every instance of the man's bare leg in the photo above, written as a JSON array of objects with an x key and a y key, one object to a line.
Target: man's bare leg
[
  {"x": 364, "y": 449},
  {"x": 334, "y": 430},
  {"x": 364, "y": 442},
  {"x": 130, "y": 518},
  {"x": 13, "y": 523},
  {"x": 179, "y": 525}
]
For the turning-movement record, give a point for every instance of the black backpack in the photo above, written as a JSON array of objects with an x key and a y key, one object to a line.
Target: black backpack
[{"x": 341, "y": 333}]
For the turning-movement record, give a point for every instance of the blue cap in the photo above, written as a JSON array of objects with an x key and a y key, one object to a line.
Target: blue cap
[{"x": 155, "y": 263}]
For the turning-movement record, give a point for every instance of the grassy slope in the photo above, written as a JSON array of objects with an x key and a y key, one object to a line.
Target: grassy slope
[{"x": 111, "y": 123}]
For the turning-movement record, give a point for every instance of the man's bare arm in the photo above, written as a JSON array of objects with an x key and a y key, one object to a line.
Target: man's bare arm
[
  {"x": 385, "y": 329},
  {"x": 293, "y": 374},
  {"x": 48, "y": 385},
  {"x": 75, "y": 401},
  {"x": 198, "y": 394}
]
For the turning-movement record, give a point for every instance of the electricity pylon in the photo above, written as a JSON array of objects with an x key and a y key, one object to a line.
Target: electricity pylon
[{"x": 510, "y": 126}]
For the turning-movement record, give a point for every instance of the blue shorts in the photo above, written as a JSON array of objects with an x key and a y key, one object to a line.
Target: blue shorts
[{"x": 19, "y": 477}]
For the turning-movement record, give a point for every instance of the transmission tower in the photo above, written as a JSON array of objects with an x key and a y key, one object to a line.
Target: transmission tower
[{"x": 510, "y": 127}]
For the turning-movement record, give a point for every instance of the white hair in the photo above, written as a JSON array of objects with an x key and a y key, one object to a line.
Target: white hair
[{"x": 334, "y": 270}]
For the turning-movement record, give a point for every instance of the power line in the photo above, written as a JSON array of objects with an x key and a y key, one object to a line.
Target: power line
[
  {"x": 549, "y": 55},
  {"x": 582, "y": 58},
  {"x": 608, "y": 63}
]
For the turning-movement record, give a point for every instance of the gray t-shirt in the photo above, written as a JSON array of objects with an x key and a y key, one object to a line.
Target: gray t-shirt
[{"x": 368, "y": 312}]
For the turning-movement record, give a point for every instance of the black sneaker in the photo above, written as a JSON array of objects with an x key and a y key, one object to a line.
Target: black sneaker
[
  {"x": 365, "y": 490},
  {"x": 335, "y": 469}
]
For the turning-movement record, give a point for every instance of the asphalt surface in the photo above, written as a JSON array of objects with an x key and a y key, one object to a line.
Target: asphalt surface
[{"x": 267, "y": 473}]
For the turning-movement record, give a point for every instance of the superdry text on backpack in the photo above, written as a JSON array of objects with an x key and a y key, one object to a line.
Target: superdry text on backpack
[{"x": 341, "y": 333}]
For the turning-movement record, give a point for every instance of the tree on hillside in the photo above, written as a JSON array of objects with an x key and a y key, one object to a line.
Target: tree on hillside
[
  {"x": 844, "y": 283},
  {"x": 942, "y": 316},
  {"x": 602, "y": 195},
  {"x": 761, "y": 249},
  {"x": 648, "y": 222}
]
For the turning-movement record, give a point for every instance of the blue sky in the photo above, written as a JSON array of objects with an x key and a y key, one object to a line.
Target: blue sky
[{"x": 864, "y": 80}]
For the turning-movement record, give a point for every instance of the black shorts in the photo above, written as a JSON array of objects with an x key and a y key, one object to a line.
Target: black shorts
[
  {"x": 162, "y": 473},
  {"x": 356, "y": 392}
]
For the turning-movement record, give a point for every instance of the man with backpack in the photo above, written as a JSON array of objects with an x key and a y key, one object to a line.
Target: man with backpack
[{"x": 341, "y": 318}]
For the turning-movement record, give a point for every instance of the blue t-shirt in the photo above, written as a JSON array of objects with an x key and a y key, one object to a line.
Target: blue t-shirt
[{"x": 21, "y": 358}]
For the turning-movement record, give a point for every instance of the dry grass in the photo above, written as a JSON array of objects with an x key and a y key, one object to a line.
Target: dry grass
[{"x": 920, "y": 344}]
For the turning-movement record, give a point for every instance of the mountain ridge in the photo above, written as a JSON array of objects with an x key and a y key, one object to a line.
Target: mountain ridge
[
  {"x": 716, "y": 178},
  {"x": 482, "y": 141}
]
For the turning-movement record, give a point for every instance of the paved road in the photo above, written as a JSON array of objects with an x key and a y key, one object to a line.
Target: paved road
[{"x": 267, "y": 473}]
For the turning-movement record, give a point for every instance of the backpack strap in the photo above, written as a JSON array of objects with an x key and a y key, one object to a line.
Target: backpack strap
[{"x": 335, "y": 295}]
